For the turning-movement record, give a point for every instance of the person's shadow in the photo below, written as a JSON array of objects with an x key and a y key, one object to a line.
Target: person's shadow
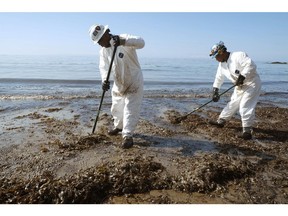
[
  {"x": 273, "y": 135},
  {"x": 188, "y": 146},
  {"x": 185, "y": 144}
]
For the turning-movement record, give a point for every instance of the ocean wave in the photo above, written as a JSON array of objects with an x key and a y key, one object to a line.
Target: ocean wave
[
  {"x": 275, "y": 93},
  {"x": 49, "y": 81},
  {"x": 46, "y": 97},
  {"x": 148, "y": 81}
]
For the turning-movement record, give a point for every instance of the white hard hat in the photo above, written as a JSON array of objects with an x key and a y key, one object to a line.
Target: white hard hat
[{"x": 96, "y": 32}]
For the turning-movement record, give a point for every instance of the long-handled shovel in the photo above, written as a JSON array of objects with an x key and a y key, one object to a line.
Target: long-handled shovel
[
  {"x": 103, "y": 93},
  {"x": 179, "y": 119}
]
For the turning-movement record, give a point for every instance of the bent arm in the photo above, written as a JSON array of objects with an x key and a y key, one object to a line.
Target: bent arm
[
  {"x": 219, "y": 78},
  {"x": 135, "y": 42},
  {"x": 103, "y": 66}
]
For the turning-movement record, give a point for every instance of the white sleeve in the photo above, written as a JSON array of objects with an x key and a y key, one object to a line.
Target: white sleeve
[
  {"x": 103, "y": 66},
  {"x": 219, "y": 78},
  {"x": 135, "y": 42}
]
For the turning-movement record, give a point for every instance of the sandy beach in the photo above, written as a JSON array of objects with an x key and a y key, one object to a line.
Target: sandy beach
[{"x": 49, "y": 155}]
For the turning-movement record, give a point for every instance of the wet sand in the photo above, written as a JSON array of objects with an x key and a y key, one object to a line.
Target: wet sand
[{"x": 49, "y": 155}]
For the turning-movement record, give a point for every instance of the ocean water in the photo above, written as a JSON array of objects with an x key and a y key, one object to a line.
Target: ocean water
[{"x": 31, "y": 80}]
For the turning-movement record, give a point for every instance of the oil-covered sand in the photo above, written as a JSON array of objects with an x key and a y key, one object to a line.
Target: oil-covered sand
[{"x": 48, "y": 159}]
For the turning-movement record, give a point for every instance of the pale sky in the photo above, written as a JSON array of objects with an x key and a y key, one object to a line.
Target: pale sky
[{"x": 263, "y": 35}]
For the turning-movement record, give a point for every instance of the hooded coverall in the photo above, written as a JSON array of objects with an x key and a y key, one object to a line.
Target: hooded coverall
[
  {"x": 244, "y": 97},
  {"x": 127, "y": 90}
]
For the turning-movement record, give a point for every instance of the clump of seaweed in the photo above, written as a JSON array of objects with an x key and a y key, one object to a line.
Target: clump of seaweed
[
  {"x": 207, "y": 173},
  {"x": 93, "y": 185}
]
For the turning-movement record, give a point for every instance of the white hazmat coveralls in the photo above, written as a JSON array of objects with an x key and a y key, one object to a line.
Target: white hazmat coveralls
[
  {"x": 127, "y": 90},
  {"x": 244, "y": 97}
]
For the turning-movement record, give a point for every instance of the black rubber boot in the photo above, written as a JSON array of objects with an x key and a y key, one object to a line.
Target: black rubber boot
[
  {"x": 114, "y": 131},
  {"x": 127, "y": 142},
  {"x": 247, "y": 133},
  {"x": 219, "y": 123},
  {"x": 247, "y": 136}
]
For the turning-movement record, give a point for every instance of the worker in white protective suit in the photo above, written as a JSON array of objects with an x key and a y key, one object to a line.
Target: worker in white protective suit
[
  {"x": 240, "y": 70},
  {"x": 127, "y": 90}
]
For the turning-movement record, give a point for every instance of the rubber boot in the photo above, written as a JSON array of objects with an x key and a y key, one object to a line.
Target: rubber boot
[
  {"x": 127, "y": 142},
  {"x": 219, "y": 123},
  {"x": 247, "y": 133},
  {"x": 114, "y": 131}
]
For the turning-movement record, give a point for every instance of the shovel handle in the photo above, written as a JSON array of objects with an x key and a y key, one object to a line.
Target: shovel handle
[
  {"x": 103, "y": 93},
  {"x": 183, "y": 117}
]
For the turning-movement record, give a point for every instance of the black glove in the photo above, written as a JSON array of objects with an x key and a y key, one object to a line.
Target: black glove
[
  {"x": 240, "y": 80},
  {"x": 116, "y": 39},
  {"x": 216, "y": 95},
  {"x": 105, "y": 85}
]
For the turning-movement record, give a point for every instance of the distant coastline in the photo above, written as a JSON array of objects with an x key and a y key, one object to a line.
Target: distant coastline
[{"x": 276, "y": 62}]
